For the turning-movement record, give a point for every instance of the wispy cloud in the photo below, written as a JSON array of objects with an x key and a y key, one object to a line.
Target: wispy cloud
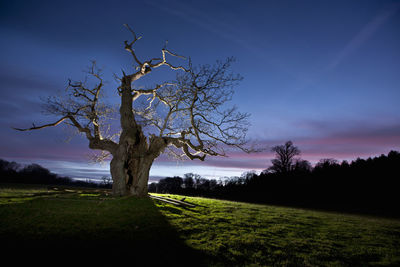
[
  {"x": 365, "y": 34},
  {"x": 206, "y": 22},
  {"x": 359, "y": 39},
  {"x": 235, "y": 31}
]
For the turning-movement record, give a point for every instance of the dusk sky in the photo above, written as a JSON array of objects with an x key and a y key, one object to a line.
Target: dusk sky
[{"x": 323, "y": 74}]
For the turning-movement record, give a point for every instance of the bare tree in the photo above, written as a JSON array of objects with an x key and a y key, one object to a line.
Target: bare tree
[
  {"x": 285, "y": 155},
  {"x": 189, "y": 114}
]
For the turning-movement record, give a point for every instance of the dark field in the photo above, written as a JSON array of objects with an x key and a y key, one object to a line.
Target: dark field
[{"x": 70, "y": 223}]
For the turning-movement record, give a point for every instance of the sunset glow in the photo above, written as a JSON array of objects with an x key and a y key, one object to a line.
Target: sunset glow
[{"x": 323, "y": 75}]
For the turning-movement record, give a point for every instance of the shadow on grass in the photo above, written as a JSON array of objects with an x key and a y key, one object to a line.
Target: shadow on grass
[{"x": 122, "y": 230}]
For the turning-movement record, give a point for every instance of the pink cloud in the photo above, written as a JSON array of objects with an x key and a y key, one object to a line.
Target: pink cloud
[
  {"x": 349, "y": 144},
  {"x": 360, "y": 140}
]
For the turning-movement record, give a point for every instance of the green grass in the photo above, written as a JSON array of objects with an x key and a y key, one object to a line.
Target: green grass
[
  {"x": 214, "y": 233},
  {"x": 245, "y": 234}
]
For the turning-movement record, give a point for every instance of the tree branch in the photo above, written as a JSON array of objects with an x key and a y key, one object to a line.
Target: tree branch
[
  {"x": 182, "y": 143},
  {"x": 146, "y": 66},
  {"x": 42, "y": 126},
  {"x": 197, "y": 101},
  {"x": 128, "y": 46}
]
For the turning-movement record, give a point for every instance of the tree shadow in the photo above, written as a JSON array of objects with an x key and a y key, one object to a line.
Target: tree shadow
[{"x": 150, "y": 240}]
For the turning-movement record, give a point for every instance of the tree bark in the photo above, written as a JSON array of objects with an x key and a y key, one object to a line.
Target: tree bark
[
  {"x": 131, "y": 162},
  {"x": 130, "y": 172}
]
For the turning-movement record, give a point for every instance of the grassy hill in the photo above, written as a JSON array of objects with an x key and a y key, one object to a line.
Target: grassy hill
[{"x": 69, "y": 223}]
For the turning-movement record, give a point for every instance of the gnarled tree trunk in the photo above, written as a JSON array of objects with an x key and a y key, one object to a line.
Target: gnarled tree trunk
[
  {"x": 130, "y": 169},
  {"x": 131, "y": 163}
]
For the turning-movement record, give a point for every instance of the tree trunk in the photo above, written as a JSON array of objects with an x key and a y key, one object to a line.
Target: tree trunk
[{"x": 130, "y": 172}]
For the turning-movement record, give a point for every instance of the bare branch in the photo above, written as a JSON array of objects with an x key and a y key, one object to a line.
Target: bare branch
[
  {"x": 146, "y": 66},
  {"x": 128, "y": 46},
  {"x": 182, "y": 143},
  {"x": 42, "y": 126},
  {"x": 133, "y": 33},
  {"x": 173, "y": 54},
  {"x": 99, "y": 157},
  {"x": 153, "y": 90},
  {"x": 164, "y": 61},
  {"x": 198, "y": 100}
]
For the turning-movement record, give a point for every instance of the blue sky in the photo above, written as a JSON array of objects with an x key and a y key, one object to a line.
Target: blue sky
[{"x": 324, "y": 74}]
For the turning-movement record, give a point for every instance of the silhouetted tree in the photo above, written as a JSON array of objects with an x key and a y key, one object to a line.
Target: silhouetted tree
[
  {"x": 171, "y": 185},
  {"x": 12, "y": 172},
  {"x": 326, "y": 163},
  {"x": 153, "y": 187},
  {"x": 40, "y": 173},
  {"x": 188, "y": 181},
  {"x": 285, "y": 155},
  {"x": 345, "y": 164},
  {"x": 246, "y": 177},
  {"x": 9, "y": 171},
  {"x": 6, "y": 166},
  {"x": 302, "y": 166},
  {"x": 106, "y": 181}
]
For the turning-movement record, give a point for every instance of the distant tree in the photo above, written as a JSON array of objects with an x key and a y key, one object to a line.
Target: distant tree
[
  {"x": 196, "y": 178},
  {"x": 203, "y": 185},
  {"x": 189, "y": 114},
  {"x": 8, "y": 171},
  {"x": 35, "y": 170},
  {"x": 153, "y": 187},
  {"x": 8, "y": 168},
  {"x": 213, "y": 184},
  {"x": 284, "y": 158},
  {"x": 394, "y": 155},
  {"x": 302, "y": 166},
  {"x": 235, "y": 180},
  {"x": 170, "y": 185},
  {"x": 247, "y": 176},
  {"x": 106, "y": 180},
  {"x": 35, "y": 173},
  {"x": 326, "y": 163},
  {"x": 188, "y": 181},
  {"x": 345, "y": 164}
]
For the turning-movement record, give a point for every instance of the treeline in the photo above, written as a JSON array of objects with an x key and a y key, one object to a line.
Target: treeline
[
  {"x": 12, "y": 172},
  {"x": 364, "y": 185}
]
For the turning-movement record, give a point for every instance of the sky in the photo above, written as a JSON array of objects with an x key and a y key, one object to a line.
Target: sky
[{"x": 323, "y": 74}]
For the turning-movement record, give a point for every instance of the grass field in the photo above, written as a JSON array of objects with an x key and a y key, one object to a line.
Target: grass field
[{"x": 76, "y": 222}]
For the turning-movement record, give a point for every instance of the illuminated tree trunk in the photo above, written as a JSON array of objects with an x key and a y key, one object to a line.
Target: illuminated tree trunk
[
  {"x": 130, "y": 173},
  {"x": 131, "y": 164}
]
